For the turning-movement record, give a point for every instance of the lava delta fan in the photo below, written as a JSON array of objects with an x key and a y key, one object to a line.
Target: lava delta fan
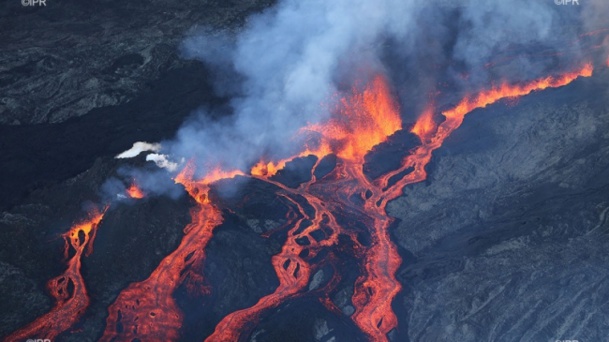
[{"x": 318, "y": 171}]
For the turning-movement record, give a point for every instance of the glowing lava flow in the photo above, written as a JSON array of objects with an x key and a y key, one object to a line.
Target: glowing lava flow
[
  {"x": 505, "y": 90},
  {"x": 374, "y": 307},
  {"x": 365, "y": 121},
  {"x": 146, "y": 310},
  {"x": 68, "y": 289},
  {"x": 291, "y": 267}
]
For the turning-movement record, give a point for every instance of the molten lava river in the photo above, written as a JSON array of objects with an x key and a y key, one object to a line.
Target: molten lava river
[{"x": 147, "y": 310}]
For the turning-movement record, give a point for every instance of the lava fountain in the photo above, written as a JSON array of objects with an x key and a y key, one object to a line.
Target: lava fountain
[
  {"x": 366, "y": 120},
  {"x": 135, "y": 192}
]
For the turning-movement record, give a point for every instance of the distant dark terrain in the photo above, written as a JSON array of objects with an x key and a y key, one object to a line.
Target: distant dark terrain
[
  {"x": 64, "y": 59},
  {"x": 104, "y": 73},
  {"x": 507, "y": 239}
]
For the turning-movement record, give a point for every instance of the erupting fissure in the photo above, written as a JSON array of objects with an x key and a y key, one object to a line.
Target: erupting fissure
[
  {"x": 135, "y": 192},
  {"x": 68, "y": 289},
  {"x": 147, "y": 311},
  {"x": 365, "y": 121}
]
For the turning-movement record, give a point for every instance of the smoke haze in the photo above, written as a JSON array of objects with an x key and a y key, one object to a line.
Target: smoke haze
[{"x": 288, "y": 65}]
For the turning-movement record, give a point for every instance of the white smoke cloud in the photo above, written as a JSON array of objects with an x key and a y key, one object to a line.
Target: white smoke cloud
[
  {"x": 162, "y": 161},
  {"x": 286, "y": 67},
  {"x": 291, "y": 59},
  {"x": 137, "y": 148}
]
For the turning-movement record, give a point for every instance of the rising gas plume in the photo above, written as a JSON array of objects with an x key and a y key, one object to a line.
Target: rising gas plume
[
  {"x": 320, "y": 78},
  {"x": 364, "y": 120}
]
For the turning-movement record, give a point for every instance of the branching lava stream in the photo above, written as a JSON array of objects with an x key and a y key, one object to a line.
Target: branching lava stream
[
  {"x": 68, "y": 289},
  {"x": 147, "y": 311},
  {"x": 365, "y": 121}
]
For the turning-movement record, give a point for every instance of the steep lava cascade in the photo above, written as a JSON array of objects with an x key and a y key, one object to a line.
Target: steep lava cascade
[
  {"x": 68, "y": 289},
  {"x": 146, "y": 310}
]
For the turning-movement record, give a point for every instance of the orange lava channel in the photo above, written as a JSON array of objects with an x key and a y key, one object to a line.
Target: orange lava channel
[
  {"x": 377, "y": 287},
  {"x": 487, "y": 97},
  {"x": 68, "y": 289},
  {"x": 146, "y": 310},
  {"x": 365, "y": 121}
]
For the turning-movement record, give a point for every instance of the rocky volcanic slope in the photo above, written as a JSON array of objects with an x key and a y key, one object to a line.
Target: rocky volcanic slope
[
  {"x": 506, "y": 241},
  {"x": 508, "y": 238},
  {"x": 104, "y": 73},
  {"x": 72, "y": 56}
]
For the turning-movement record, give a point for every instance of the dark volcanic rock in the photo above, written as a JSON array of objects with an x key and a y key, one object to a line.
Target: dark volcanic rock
[
  {"x": 64, "y": 59},
  {"x": 36, "y": 156},
  {"x": 130, "y": 242},
  {"x": 305, "y": 319},
  {"x": 506, "y": 241},
  {"x": 509, "y": 235},
  {"x": 238, "y": 271}
]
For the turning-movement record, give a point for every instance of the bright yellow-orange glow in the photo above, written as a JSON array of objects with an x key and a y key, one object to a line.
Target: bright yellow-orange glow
[
  {"x": 366, "y": 119},
  {"x": 505, "y": 90},
  {"x": 147, "y": 310},
  {"x": 267, "y": 169},
  {"x": 425, "y": 125},
  {"x": 135, "y": 192}
]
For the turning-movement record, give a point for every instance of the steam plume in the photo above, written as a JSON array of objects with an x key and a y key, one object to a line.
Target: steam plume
[
  {"x": 137, "y": 148},
  {"x": 290, "y": 62}
]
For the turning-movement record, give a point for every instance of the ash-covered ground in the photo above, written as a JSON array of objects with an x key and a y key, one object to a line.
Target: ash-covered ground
[{"x": 507, "y": 239}]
